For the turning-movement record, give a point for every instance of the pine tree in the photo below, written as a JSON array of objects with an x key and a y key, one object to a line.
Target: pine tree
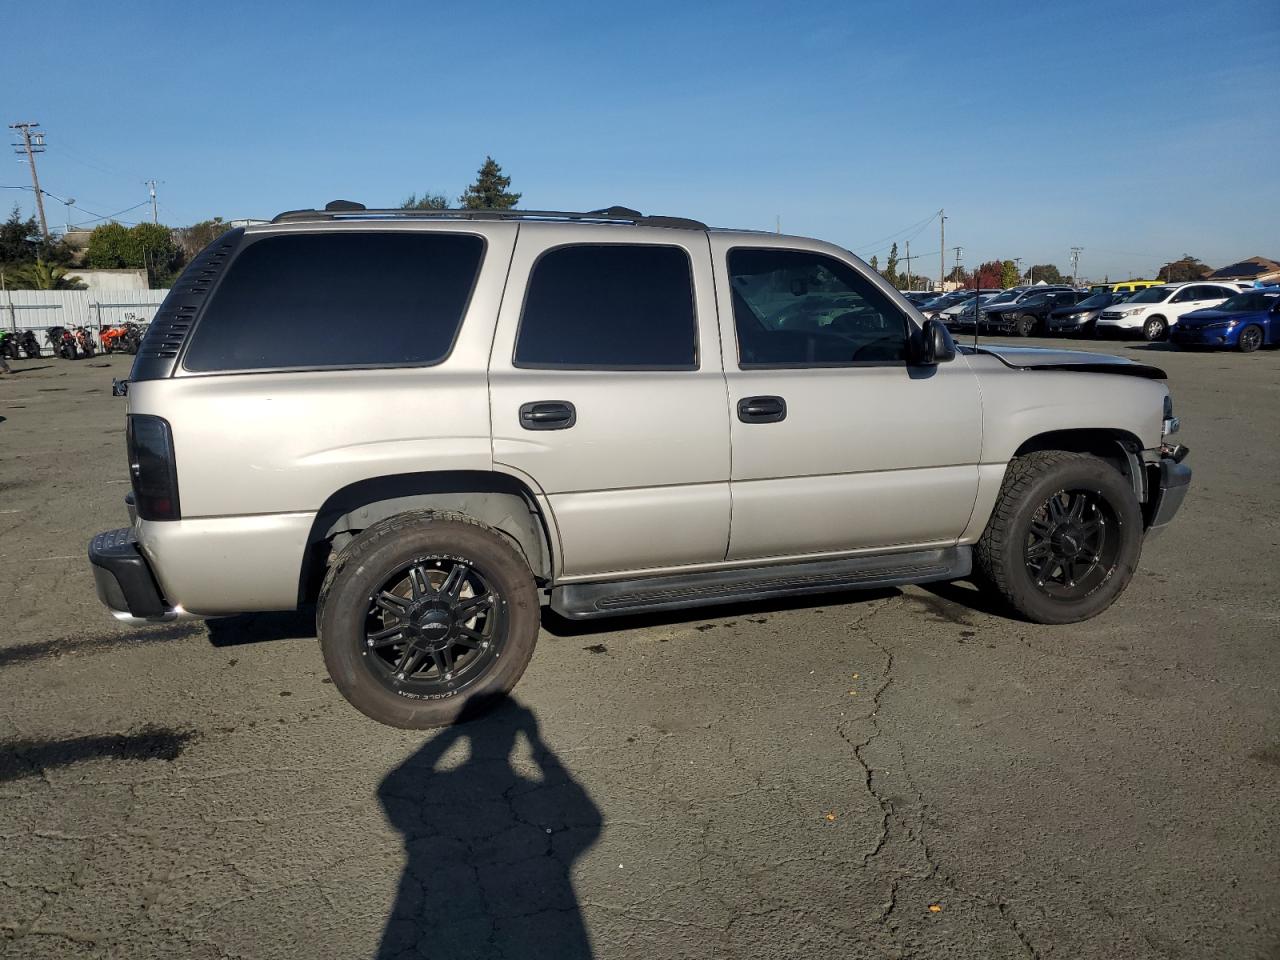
[
  {"x": 875, "y": 264},
  {"x": 489, "y": 192},
  {"x": 891, "y": 266}
]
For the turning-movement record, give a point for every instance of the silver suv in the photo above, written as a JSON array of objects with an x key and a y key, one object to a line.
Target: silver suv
[{"x": 432, "y": 423}]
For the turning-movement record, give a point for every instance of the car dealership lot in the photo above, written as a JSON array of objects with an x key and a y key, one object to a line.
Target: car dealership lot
[{"x": 903, "y": 773}]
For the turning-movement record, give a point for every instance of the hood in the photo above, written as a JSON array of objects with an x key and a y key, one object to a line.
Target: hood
[
  {"x": 1072, "y": 309},
  {"x": 1197, "y": 318},
  {"x": 1037, "y": 358}
]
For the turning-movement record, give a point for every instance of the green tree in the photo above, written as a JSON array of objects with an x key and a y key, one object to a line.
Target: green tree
[
  {"x": 147, "y": 246},
  {"x": 191, "y": 240},
  {"x": 19, "y": 239},
  {"x": 891, "y": 266},
  {"x": 875, "y": 264},
  {"x": 958, "y": 274},
  {"x": 1186, "y": 268},
  {"x": 428, "y": 201},
  {"x": 1046, "y": 272},
  {"x": 1009, "y": 274},
  {"x": 42, "y": 275},
  {"x": 489, "y": 192}
]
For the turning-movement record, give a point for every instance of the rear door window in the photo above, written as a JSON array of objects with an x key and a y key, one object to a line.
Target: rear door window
[
  {"x": 339, "y": 299},
  {"x": 609, "y": 307}
]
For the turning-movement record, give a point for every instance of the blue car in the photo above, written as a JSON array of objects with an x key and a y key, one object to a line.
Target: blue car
[{"x": 1245, "y": 322}]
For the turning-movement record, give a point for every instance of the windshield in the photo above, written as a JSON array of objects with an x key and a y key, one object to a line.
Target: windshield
[
  {"x": 1096, "y": 301},
  {"x": 1248, "y": 302},
  {"x": 1007, "y": 297},
  {"x": 1151, "y": 295}
]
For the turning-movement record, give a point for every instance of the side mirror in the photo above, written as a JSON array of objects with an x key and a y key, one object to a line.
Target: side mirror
[{"x": 938, "y": 347}]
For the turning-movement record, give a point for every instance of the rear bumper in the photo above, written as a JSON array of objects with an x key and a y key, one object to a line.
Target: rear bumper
[
  {"x": 125, "y": 583},
  {"x": 1175, "y": 480}
]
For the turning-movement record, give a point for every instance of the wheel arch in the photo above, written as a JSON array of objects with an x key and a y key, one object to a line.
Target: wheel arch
[
  {"x": 499, "y": 500},
  {"x": 1120, "y": 448}
]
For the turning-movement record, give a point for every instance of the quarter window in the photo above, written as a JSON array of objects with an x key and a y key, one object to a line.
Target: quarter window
[
  {"x": 340, "y": 299},
  {"x": 797, "y": 308},
  {"x": 609, "y": 306}
]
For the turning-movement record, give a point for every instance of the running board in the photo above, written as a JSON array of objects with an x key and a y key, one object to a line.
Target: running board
[{"x": 585, "y": 601}]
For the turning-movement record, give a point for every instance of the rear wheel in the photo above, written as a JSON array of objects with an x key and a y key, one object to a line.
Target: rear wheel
[
  {"x": 424, "y": 613},
  {"x": 1064, "y": 539},
  {"x": 1156, "y": 328},
  {"x": 1250, "y": 339}
]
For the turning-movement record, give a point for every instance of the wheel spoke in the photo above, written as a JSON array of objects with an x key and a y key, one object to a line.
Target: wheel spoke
[
  {"x": 1076, "y": 512},
  {"x": 385, "y": 638},
  {"x": 395, "y": 605},
  {"x": 418, "y": 582},
  {"x": 473, "y": 606},
  {"x": 443, "y": 660},
  {"x": 1042, "y": 529},
  {"x": 409, "y": 663},
  {"x": 1037, "y": 550},
  {"x": 471, "y": 639},
  {"x": 1056, "y": 513},
  {"x": 454, "y": 581}
]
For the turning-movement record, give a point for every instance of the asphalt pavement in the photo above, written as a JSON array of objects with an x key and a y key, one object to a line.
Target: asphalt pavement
[{"x": 896, "y": 774}]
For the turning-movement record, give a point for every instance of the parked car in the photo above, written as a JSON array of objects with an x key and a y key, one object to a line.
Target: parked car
[
  {"x": 1153, "y": 311},
  {"x": 932, "y": 307},
  {"x": 1125, "y": 286},
  {"x": 545, "y": 415},
  {"x": 918, "y": 298},
  {"x": 1079, "y": 318},
  {"x": 1246, "y": 321},
  {"x": 952, "y": 313},
  {"x": 1006, "y": 298},
  {"x": 1027, "y": 315}
]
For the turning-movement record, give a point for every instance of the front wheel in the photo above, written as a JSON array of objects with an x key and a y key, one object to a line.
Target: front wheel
[
  {"x": 425, "y": 613},
  {"x": 1064, "y": 538},
  {"x": 1155, "y": 329},
  {"x": 1025, "y": 325},
  {"x": 1250, "y": 339}
]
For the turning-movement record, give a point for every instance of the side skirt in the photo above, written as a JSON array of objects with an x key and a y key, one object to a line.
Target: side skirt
[{"x": 585, "y": 601}]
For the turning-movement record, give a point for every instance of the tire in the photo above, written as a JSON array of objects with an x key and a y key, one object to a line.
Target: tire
[
  {"x": 1009, "y": 551},
  {"x": 1024, "y": 325},
  {"x": 1155, "y": 329},
  {"x": 350, "y": 619},
  {"x": 1250, "y": 339}
]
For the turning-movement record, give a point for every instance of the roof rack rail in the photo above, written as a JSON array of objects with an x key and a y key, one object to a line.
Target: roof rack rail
[{"x": 350, "y": 210}]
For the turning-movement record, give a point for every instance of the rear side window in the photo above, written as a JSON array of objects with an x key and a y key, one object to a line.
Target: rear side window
[
  {"x": 338, "y": 300},
  {"x": 614, "y": 307}
]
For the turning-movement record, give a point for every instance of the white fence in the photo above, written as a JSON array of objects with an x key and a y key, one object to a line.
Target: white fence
[{"x": 38, "y": 309}]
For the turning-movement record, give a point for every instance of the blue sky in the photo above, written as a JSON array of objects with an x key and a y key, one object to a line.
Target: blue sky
[{"x": 1137, "y": 131}]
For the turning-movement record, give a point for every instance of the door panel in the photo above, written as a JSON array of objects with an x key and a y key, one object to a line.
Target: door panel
[
  {"x": 640, "y": 477},
  {"x": 867, "y": 456}
]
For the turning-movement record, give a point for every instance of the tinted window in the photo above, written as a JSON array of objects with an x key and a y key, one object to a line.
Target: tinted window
[
  {"x": 792, "y": 307},
  {"x": 609, "y": 306},
  {"x": 338, "y": 299}
]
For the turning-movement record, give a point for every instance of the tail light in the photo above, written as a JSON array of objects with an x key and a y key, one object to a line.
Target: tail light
[{"x": 153, "y": 470}]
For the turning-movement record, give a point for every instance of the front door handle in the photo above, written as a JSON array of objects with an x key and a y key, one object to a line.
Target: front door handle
[
  {"x": 762, "y": 409},
  {"x": 548, "y": 415}
]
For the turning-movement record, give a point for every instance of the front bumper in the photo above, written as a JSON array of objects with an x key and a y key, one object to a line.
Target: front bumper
[
  {"x": 1174, "y": 481},
  {"x": 1222, "y": 336},
  {"x": 124, "y": 579}
]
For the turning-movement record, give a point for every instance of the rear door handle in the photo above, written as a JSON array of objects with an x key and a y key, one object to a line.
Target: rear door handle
[
  {"x": 762, "y": 409},
  {"x": 548, "y": 415}
]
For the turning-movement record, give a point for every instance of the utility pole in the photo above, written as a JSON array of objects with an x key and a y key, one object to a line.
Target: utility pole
[
  {"x": 151, "y": 184},
  {"x": 32, "y": 143},
  {"x": 959, "y": 253},
  {"x": 1017, "y": 262},
  {"x": 908, "y": 258},
  {"x": 942, "y": 249},
  {"x": 1075, "y": 263}
]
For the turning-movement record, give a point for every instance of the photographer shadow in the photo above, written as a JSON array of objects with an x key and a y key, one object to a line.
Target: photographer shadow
[{"x": 490, "y": 844}]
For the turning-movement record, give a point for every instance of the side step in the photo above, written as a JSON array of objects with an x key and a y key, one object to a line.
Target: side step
[{"x": 585, "y": 601}]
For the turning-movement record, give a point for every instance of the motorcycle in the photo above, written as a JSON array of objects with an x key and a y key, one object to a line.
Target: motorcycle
[
  {"x": 84, "y": 340},
  {"x": 63, "y": 342},
  {"x": 122, "y": 338},
  {"x": 29, "y": 344}
]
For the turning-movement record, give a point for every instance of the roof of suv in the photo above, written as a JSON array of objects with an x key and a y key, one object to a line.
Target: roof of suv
[{"x": 346, "y": 210}]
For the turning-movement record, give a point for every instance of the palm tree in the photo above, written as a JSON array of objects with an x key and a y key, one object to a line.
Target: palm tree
[{"x": 43, "y": 276}]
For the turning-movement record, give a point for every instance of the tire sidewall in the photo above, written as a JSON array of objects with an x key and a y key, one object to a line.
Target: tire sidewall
[
  {"x": 1241, "y": 341},
  {"x": 1096, "y": 477},
  {"x": 365, "y": 566}
]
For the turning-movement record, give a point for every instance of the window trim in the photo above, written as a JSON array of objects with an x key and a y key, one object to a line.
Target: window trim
[
  {"x": 604, "y": 368},
  {"x": 250, "y": 240},
  {"x": 908, "y": 328}
]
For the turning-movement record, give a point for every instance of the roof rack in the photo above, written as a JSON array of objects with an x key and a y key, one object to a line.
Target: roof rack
[{"x": 350, "y": 210}]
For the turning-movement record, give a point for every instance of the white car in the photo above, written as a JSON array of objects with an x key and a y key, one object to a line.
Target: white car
[{"x": 1156, "y": 309}]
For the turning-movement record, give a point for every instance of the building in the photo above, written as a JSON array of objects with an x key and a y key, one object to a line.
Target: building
[
  {"x": 102, "y": 281},
  {"x": 1258, "y": 269}
]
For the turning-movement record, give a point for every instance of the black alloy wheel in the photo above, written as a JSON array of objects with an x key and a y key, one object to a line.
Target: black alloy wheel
[
  {"x": 1071, "y": 546},
  {"x": 1025, "y": 325},
  {"x": 433, "y": 627},
  {"x": 1250, "y": 339}
]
